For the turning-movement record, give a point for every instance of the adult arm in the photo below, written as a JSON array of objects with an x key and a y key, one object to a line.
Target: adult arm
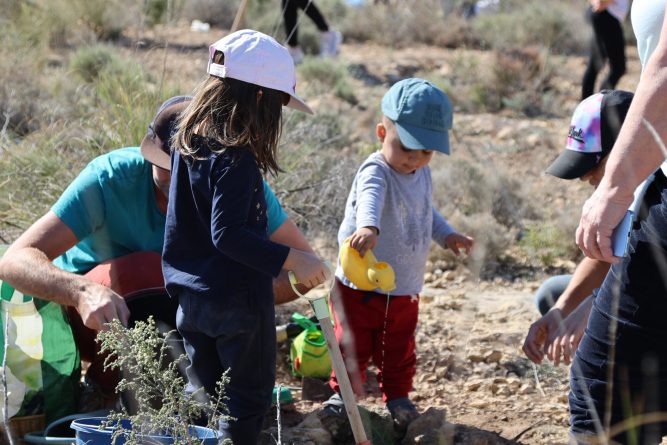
[
  {"x": 542, "y": 334},
  {"x": 634, "y": 157},
  {"x": 290, "y": 235},
  {"x": 27, "y": 266}
]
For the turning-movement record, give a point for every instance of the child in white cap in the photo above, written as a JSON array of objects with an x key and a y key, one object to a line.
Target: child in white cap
[
  {"x": 217, "y": 259},
  {"x": 389, "y": 209}
]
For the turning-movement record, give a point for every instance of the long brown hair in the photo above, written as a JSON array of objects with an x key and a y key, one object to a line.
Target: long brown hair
[{"x": 236, "y": 114}]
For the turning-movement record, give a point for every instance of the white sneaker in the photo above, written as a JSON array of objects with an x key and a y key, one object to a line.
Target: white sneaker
[
  {"x": 296, "y": 53},
  {"x": 329, "y": 43}
]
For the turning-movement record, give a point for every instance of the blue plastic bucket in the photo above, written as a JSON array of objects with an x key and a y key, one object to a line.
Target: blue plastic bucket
[{"x": 88, "y": 432}]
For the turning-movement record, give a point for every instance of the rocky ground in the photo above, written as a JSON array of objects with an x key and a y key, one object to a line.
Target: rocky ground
[{"x": 473, "y": 383}]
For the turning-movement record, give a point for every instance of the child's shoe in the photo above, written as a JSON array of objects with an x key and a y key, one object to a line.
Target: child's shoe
[
  {"x": 334, "y": 419},
  {"x": 329, "y": 43},
  {"x": 296, "y": 53},
  {"x": 403, "y": 412}
]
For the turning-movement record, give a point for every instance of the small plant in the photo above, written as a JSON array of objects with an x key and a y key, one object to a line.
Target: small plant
[
  {"x": 324, "y": 75},
  {"x": 90, "y": 62},
  {"x": 163, "y": 407},
  {"x": 549, "y": 242}
]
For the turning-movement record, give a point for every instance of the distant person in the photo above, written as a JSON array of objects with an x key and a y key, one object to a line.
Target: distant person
[
  {"x": 565, "y": 300},
  {"x": 330, "y": 40},
  {"x": 102, "y": 240},
  {"x": 607, "y": 43},
  {"x": 218, "y": 259},
  {"x": 390, "y": 210}
]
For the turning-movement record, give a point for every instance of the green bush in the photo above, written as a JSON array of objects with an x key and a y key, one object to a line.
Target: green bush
[
  {"x": 548, "y": 242},
  {"x": 91, "y": 61},
  {"x": 325, "y": 75}
]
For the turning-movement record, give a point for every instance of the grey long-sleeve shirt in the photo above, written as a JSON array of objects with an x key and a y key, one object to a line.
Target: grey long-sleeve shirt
[{"x": 400, "y": 206}]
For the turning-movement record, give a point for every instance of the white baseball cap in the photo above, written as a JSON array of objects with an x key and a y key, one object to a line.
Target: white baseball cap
[{"x": 254, "y": 57}]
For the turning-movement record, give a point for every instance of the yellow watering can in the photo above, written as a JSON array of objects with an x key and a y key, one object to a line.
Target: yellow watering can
[{"x": 366, "y": 273}]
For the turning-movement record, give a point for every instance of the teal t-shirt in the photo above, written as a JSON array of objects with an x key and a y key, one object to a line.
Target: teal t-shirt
[{"x": 111, "y": 208}]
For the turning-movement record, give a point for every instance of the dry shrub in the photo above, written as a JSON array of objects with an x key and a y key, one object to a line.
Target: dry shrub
[
  {"x": 492, "y": 239},
  {"x": 90, "y": 62},
  {"x": 19, "y": 94},
  {"x": 404, "y": 23},
  {"x": 327, "y": 75},
  {"x": 489, "y": 207},
  {"x": 33, "y": 172},
  {"x": 63, "y": 23},
  {"x": 317, "y": 177},
  {"x": 556, "y": 26},
  {"x": 216, "y": 12},
  {"x": 519, "y": 79}
]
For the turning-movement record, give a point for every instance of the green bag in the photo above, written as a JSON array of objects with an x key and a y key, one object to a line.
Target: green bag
[
  {"x": 42, "y": 364},
  {"x": 309, "y": 355}
]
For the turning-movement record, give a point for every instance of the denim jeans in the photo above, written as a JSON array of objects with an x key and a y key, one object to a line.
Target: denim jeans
[{"x": 633, "y": 358}]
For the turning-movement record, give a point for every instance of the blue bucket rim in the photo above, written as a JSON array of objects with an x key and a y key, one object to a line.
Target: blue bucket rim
[{"x": 91, "y": 424}]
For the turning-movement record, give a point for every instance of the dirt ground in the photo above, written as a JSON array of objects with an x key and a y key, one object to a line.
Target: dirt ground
[{"x": 470, "y": 366}]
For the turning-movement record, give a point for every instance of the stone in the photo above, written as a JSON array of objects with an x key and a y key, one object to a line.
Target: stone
[{"x": 493, "y": 356}]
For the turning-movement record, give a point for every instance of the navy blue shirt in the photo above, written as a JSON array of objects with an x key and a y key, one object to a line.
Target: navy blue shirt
[{"x": 216, "y": 243}]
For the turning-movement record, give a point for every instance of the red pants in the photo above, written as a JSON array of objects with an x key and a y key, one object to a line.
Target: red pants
[
  {"x": 359, "y": 323},
  {"x": 125, "y": 275}
]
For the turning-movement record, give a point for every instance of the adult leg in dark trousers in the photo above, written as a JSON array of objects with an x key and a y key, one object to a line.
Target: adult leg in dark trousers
[
  {"x": 608, "y": 43},
  {"x": 289, "y": 16}
]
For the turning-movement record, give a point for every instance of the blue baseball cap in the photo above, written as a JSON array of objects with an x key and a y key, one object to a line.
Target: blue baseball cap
[{"x": 421, "y": 112}]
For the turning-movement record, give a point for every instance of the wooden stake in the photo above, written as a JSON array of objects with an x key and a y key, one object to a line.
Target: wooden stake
[
  {"x": 239, "y": 15},
  {"x": 321, "y": 310}
]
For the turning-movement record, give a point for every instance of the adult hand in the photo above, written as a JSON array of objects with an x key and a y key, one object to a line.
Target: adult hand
[
  {"x": 600, "y": 215},
  {"x": 539, "y": 332},
  {"x": 364, "y": 239},
  {"x": 566, "y": 341},
  {"x": 98, "y": 305}
]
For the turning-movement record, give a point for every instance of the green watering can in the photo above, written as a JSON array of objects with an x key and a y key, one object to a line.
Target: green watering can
[{"x": 309, "y": 355}]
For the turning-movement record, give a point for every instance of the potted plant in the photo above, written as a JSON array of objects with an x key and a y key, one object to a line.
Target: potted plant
[{"x": 165, "y": 414}]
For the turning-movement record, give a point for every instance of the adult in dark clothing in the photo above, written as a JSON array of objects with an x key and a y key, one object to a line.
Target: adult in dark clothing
[{"x": 607, "y": 43}]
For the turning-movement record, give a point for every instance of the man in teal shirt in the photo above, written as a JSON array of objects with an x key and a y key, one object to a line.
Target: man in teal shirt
[{"x": 102, "y": 239}]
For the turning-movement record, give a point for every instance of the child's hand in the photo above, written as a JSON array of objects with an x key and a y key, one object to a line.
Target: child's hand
[
  {"x": 308, "y": 268},
  {"x": 456, "y": 241},
  {"x": 364, "y": 239}
]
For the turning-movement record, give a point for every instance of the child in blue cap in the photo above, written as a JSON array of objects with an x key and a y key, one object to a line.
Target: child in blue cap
[{"x": 390, "y": 210}]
